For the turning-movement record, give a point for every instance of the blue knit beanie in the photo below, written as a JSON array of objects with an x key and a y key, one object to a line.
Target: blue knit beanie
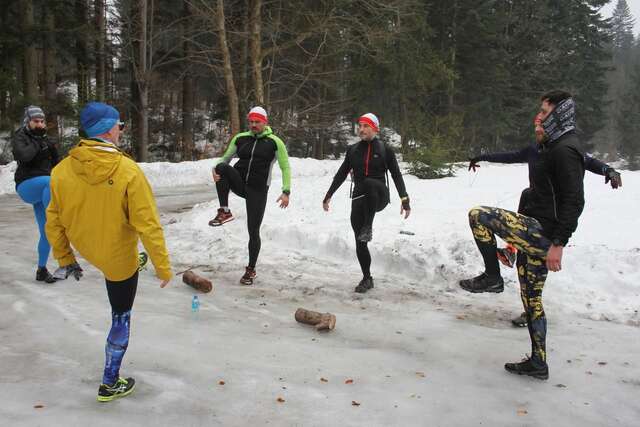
[{"x": 97, "y": 118}]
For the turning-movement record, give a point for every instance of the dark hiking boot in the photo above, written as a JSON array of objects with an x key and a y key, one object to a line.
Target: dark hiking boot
[
  {"x": 364, "y": 285},
  {"x": 483, "y": 283},
  {"x": 507, "y": 255},
  {"x": 248, "y": 277},
  {"x": 520, "y": 321},
  {"x": 529, "y": 368},
  {"x": 43, "y": 275},
  {"x": 120, "y": 388},
  {"x": 222, "y": 217},
  {"x": 366, "y": 234}
]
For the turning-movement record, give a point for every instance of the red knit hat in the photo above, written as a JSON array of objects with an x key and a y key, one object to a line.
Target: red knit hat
[
  {"x": 257, "y": 114},
  {"x": 371, "y": 120}
]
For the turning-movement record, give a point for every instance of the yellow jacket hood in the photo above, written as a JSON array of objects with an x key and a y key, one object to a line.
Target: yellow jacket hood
[{"x": 94, "y": 161}]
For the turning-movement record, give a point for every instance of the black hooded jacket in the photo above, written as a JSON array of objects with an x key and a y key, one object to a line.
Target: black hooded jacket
[
  {"x": 556, "y": 198},
  {"x": 36, "y": 155},
  {"x": 368, "y": 160}
]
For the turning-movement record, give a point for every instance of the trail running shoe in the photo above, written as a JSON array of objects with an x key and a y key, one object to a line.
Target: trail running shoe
[
  {"x": 43, "y": 275},
  {"x": 143, "y": 258},
  {"x": 529, "y": 368},
  {"x": 365, "y": 284},
  {"x": 507, "y": 255},
  {"x": 121, "y": 388},
  {"x": 221, "y": 218},
  {"x": 520, "y": 321},
  {"x": 483, "y": 283},
  {"x": 248, "y": 276}
]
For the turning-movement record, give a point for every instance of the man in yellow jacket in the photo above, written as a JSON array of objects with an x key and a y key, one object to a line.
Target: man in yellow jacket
[{"x": 101, "y": 203}]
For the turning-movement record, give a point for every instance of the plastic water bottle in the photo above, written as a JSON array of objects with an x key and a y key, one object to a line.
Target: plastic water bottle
[{"x": 195, "y": 304}]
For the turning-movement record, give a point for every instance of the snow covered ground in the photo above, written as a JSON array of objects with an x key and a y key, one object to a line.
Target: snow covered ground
[
  {"x": 420, "y": 350},
  {"x": 600, "y": 280}
]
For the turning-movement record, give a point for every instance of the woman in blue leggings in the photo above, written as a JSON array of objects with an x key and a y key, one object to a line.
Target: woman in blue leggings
[{"x": 36, "y": 156}]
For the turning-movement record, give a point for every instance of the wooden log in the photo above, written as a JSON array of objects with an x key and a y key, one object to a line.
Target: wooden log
[
  {"x": 197, "y": 282},
  {"x": 322, "y": 321}
]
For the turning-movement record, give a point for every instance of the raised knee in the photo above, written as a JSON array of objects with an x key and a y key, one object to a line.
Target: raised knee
[{"x": 474, "y": 215}]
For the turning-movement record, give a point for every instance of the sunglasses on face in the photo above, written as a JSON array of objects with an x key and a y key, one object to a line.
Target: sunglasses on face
[{"x": 121, "y": 126}]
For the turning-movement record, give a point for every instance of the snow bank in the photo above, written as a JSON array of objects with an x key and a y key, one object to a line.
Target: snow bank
[
  {"x": 7, "y": 184},
  {"x": 600, "y": 279}
]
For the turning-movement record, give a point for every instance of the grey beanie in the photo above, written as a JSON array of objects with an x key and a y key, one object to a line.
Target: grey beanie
[{"x": 32, "y": 112}]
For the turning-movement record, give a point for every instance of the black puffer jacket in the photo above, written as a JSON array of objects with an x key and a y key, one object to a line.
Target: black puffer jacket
[
  {"x": 36, "y": 156},
  {"x": 368, "y": 160},
  {"x": 556, "y": 198}
]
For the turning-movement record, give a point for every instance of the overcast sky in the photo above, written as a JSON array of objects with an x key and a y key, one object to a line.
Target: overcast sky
[{"x": 634, "y": 6}]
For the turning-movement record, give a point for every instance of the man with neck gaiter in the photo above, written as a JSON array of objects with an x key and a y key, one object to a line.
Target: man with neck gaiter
[
  {"x": 540, "y": 231},
  {"x": 101, "y": 203},
  {"x": 250, "y": 177},
  {"x": 368, "y": 161}
]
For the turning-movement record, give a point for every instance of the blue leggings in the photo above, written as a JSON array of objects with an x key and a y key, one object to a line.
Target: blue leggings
[{"x": 35, "y": 191}]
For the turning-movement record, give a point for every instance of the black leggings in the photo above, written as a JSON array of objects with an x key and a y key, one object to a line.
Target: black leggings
[
  {"x": 122, "y": 293},
  {"x": 256, "y": 202},
  {"x": 373, "y": 198}
]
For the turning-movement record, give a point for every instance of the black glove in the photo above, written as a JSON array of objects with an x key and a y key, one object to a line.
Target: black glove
[
  {"x": 473, "y": 163},
  {"x": 405, "y": 203},
  {"x": 73, "y": 269},
  {"x": 614, "y": 176}
]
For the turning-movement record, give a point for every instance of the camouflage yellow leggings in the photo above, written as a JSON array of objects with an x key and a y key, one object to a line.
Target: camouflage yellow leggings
[{"x": 525, "y": 233}]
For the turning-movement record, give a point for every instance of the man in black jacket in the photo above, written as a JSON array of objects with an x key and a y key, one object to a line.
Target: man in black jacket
[
  {"x": 36, "y": 156},
  {"x": 548, "y": 219},
  {"x": 529, "y": 154},
  {"x": 368, "y": 161}
]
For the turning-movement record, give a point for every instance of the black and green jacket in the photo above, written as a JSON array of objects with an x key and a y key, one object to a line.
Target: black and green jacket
[{"x": 256, "y": 156}]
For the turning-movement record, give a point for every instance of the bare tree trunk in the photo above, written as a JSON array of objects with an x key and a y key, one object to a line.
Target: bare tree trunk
[
  {"x": 187, "y": 90},
  {"x": 100, "y": 53},
  {"x": 30, "y": 59},
  {"x": 244, "y": 57},
  {"x": 142, "y": 136},
  {"x": 232, "y": 94},
  {"x": 452, "y": 57},
  {"x": 50, "y": 88},
  {"x": 255, "y": 43},
  {"x": 82, "y": 54}
]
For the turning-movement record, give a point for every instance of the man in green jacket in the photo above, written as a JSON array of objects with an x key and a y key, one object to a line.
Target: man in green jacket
[{"x": 250, "y": 177}]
